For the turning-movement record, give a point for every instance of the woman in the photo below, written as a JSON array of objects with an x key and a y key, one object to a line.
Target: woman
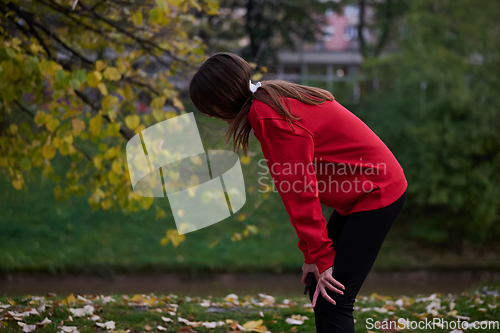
[{"x": 317, "y": 152}]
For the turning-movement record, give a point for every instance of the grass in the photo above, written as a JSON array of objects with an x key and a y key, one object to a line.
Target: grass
[{"x": 143, "y": 313}]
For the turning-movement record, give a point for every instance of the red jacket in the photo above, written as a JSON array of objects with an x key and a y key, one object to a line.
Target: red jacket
[{"x": 331, "y": 157}]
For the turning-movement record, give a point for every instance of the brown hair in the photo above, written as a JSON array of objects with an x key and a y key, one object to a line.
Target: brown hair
[{"x": 222, "y": 80}]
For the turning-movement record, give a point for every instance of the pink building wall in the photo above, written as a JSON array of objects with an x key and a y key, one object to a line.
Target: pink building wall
[{"x": 338, "y": 42}]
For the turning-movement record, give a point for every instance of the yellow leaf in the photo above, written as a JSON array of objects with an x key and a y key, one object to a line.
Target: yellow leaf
[
  {"x": 245, "y": 160},
  {"x": 70, "y": 299},
  {"x": 100, "y": 65},
  {"x": 257, "y": 76},
  {"x": 253, "y": 65},
  {"x": 261, "y": 328},
  {"x": 174, "y": 236},
  {"x": 178, "y": 103},
  {"x": 158, "y": 102},
  {"x": 98, "y": 162},
  {"x": 112, "y": 74},
  {"x": 18, "y": 183},
  {"x": 213, "y": 7},
  {"x": 113, "y": 129},
  {"x": 53, "y": 124},
  {"x": 70, "y": 114},
  {"x": 78, "y": 126},
  {"x": 252, "y": 324},
  {"x": 160, "y": 213},
  {"x": 139, "y": 128},
  {"x": 137, "y": 298},
  {"x": 128, "y": 92},
  {"x": 241, "y": 217},
  {"x": 113, "y": 178},
  {"x": 137, "y": 18},
  {"x": 64, "y": 148},
  {"x": 236, "y": 236},
  {"x": 158, "y": 114},
  {"x": 132, "y": 121},
  {"x": 116, "y": 166},
  {"x": 93, "y": 78},
  {"x": 13, "y": 128},
  {"x": 162, "y": 4},
  {"x": 156, "y": 15},
  {"x": 252, "y": 228},
  {"x": 95, "y": 125},
  {"x": 170, "y": 114},
  {"x": 214, "y": 243},
  {"x": 49, "y": 151},
  {"x": 106, "y": 204},
  {"x": 109, "y": 101},
  {"x": 103, "y": 89},
  {"x": 40, "y": 117},
  {"x": 164, "y": 241}
]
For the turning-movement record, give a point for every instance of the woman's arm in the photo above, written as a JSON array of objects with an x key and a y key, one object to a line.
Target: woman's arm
[{"x": 289, "y": 157}]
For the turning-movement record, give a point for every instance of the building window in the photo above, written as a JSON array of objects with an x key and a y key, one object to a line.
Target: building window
[
  {"x": 350, "y": 32},
  {"x": 316, "y": 69},
  {"x": 291, "y": 69},
  {"x": 329, "y": 33}
]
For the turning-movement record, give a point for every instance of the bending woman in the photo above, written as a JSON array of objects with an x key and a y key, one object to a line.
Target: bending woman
[{"x": 317, "y": 152}]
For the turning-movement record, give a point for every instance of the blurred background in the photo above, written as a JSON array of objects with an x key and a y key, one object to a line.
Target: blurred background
[{"x": 78, "y": 79}]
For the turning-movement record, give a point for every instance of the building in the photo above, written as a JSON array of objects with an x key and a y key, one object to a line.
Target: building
[{"x": 334, "y": 62}]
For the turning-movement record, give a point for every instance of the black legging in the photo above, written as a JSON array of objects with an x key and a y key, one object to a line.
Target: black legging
[{"x": 357, "y": 239}]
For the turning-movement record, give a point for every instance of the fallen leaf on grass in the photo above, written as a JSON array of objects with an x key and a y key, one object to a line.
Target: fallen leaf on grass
[
  {"x": 109, "y": 325},
  {"x": 70, "y": 299},
  {"x": 294, "y": 321},
  {"x": 232, "y": 298},
  {"x": 80, "y": 312},
  {"x": 26, "y": 327},
  {"x": 107, "y": 299},
  {"x": 185, "y": 330},
  {"x": 45, "y": 321},
  {"x": 299, "y": 317}
]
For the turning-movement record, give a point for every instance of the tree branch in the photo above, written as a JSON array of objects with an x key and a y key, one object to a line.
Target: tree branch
[
  {"x": 123, "y": 131},
  {"x": 148, "y": 45},
  {"x": 386, "y": 28},
  {"x": 32, "y": 29},
  {"x": 28, "y": 112},
  {"x": 361, "y": 26}
]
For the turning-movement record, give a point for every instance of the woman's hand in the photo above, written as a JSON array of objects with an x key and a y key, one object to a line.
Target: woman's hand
[{"x": 324, "y": 279}]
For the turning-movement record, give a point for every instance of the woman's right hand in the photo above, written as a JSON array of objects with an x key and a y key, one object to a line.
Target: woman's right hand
[{"x": 324, "y": 279}]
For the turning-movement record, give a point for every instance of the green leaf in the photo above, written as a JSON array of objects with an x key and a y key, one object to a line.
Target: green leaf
[
  {"x": 162, "y": 4},
  {"x": 74, "y": 83}
]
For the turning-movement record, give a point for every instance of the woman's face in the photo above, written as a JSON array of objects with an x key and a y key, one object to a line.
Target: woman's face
[{"x": 228, "y": 121}]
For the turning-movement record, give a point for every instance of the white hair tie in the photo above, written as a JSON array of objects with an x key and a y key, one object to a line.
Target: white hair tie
[{"x": 253, "y": 87}]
